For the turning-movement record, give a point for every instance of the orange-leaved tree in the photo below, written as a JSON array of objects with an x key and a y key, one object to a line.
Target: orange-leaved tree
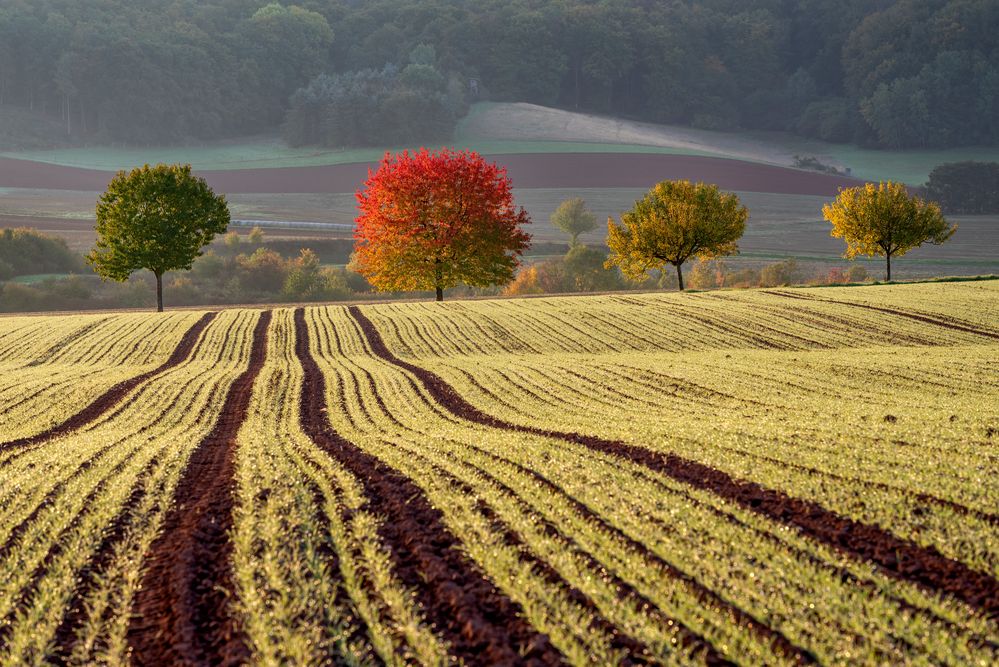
[{"x": 431, "y": 220}]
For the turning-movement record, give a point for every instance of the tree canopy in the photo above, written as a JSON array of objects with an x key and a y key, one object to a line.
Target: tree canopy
[
  {"x": 893, "y": 73},
  {"x": 155, "y": 218},
  {"x": 675, "y": 221},
  {"x": 573, "y": 218},
  {"x": 965, "y": 187},
  {"x": 431, "y": 220},
  {"x": 885, "y": 220}
]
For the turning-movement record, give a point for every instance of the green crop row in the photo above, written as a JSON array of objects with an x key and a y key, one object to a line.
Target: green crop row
[{"x": 60, "y": 498}]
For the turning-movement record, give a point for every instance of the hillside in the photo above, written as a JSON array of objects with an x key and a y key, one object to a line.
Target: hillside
[{"x": 761, "y": 477}]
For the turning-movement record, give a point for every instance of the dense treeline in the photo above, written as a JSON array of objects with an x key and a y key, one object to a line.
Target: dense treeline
[{"x": 894, "y": 73}]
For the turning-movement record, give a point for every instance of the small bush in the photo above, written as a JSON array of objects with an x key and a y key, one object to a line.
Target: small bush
[
  {"x": 786, "y": 272},
  {"x": 25, "y": 252}
]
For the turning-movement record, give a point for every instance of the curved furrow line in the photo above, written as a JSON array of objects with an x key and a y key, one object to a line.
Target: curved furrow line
[
  {"x": 115, "y": 394},
  {"x": 777, "y": 641},
  {"x": 737, "y": 335},
  {"x": 42, "y": 387},
  {"x": 63, "y": 342},
  {"x": 633, "y": 648},
  {"x": 619, "y": 640},
  {"x": 780, "y": 541},
  {"x": 182, "y": 611},
  {"x": 940, "y": 321},
  {"x": 752, "y": 321},
  {"x": 919, "y": 496},
  {"x": 819, "y": 319},
  {"x": 115, "y": 411},
  {"x": 924, "y": 566},
  {"x": 82, "y": 468},
  {"x": 114, "y": 535},
  {"x": 481, "y": 624},
  {"x": 28, "y": 592}
]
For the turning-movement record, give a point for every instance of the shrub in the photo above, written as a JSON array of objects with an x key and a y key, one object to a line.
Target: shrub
[
  {"x": 25, "y": 252},
  {"x": 585, "y": 272},
  {"x": 308, "y": 281},
  {"x": 786, "y": 272},
  {"x": 263, "y": 271}
]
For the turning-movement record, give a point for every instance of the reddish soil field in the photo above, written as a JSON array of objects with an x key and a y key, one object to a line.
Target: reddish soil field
[{"x": 539, "y": 170}]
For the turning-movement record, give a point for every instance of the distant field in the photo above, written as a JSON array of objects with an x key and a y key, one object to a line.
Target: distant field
[
  {"x": 504, "y": 129},
  {"x": 759, "y": 477},
  {"x": 528, "y": 122},
  {"x": 272, "y": 153}
]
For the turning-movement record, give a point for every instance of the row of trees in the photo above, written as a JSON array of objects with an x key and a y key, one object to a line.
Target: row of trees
[
  {"x": 895, "y": 73},
  {"x": 368, "y": 107},
  {"x": 430, "y": 221}
]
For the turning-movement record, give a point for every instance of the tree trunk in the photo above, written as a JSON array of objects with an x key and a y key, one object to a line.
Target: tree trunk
[
  {"x": 888, "y": 256},
  {"x": 679, "y": 275},
  {"x": 159, "y": 292},
  {"x": 439, "y": 279}
]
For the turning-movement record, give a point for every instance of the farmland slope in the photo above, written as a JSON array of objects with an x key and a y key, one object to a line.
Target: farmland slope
[{"x": 784, "y": 476}]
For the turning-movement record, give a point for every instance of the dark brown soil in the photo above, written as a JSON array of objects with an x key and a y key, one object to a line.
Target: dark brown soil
[
  {"x": 181, "y": 614},
  {"x": 482, "y": 624},
  {"x": 526, "y": 170},
  {"x": 904, "y": 559},
  {"x": 106, "y": 401}
]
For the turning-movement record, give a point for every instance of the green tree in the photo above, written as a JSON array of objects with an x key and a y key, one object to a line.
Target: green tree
[
  {"x": 155, "y": 218},
  {"x": 573, "y": 218},
  {"x": 675, "y": 221},
  {"x": 584, "y": 267},
  {"x": 965, "y": 187},
  {"x": 885, "y": 220}
]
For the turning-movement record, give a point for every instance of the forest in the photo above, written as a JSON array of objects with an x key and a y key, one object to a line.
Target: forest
[{"x": 888, "y": 73}]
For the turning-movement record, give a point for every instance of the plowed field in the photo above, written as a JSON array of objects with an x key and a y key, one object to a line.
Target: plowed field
[{"x": 786, "y": 476}]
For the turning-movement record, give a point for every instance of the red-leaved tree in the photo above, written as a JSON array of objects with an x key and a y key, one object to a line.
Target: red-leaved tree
[{"x": 432, "y": 220}]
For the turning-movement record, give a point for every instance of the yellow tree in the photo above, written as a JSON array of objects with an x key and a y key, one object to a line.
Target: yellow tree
[
  {"x": 885, "y": 220},
  {"x": 675, "y": 221}
]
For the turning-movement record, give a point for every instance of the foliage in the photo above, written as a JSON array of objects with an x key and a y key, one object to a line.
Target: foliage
[
  {"x": 431, "y": 220},
  {"x": 377, "y": 107},
  {"x": 965, "y": 187},
  {"x": 173, "y": 70},
  {"x": 156, "y": 218},
  {"x": 308, "y": 281},
  {"x": 675, "y": 221},
  {"x": 26, "y": 252},
  {"x": 573, "y": 218},
  {"x": 885, "y": 220},
  {"x": 787, "y": 272}
]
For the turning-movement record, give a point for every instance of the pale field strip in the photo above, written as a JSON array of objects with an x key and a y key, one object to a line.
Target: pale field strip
[
  {"x": 60, "y": 496},
  {"x": 36, "y": 396},
  {"x": 451, "y": 459}
]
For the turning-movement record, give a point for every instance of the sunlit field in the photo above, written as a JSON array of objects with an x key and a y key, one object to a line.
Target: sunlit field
[{"x": 761, "y": 476}]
